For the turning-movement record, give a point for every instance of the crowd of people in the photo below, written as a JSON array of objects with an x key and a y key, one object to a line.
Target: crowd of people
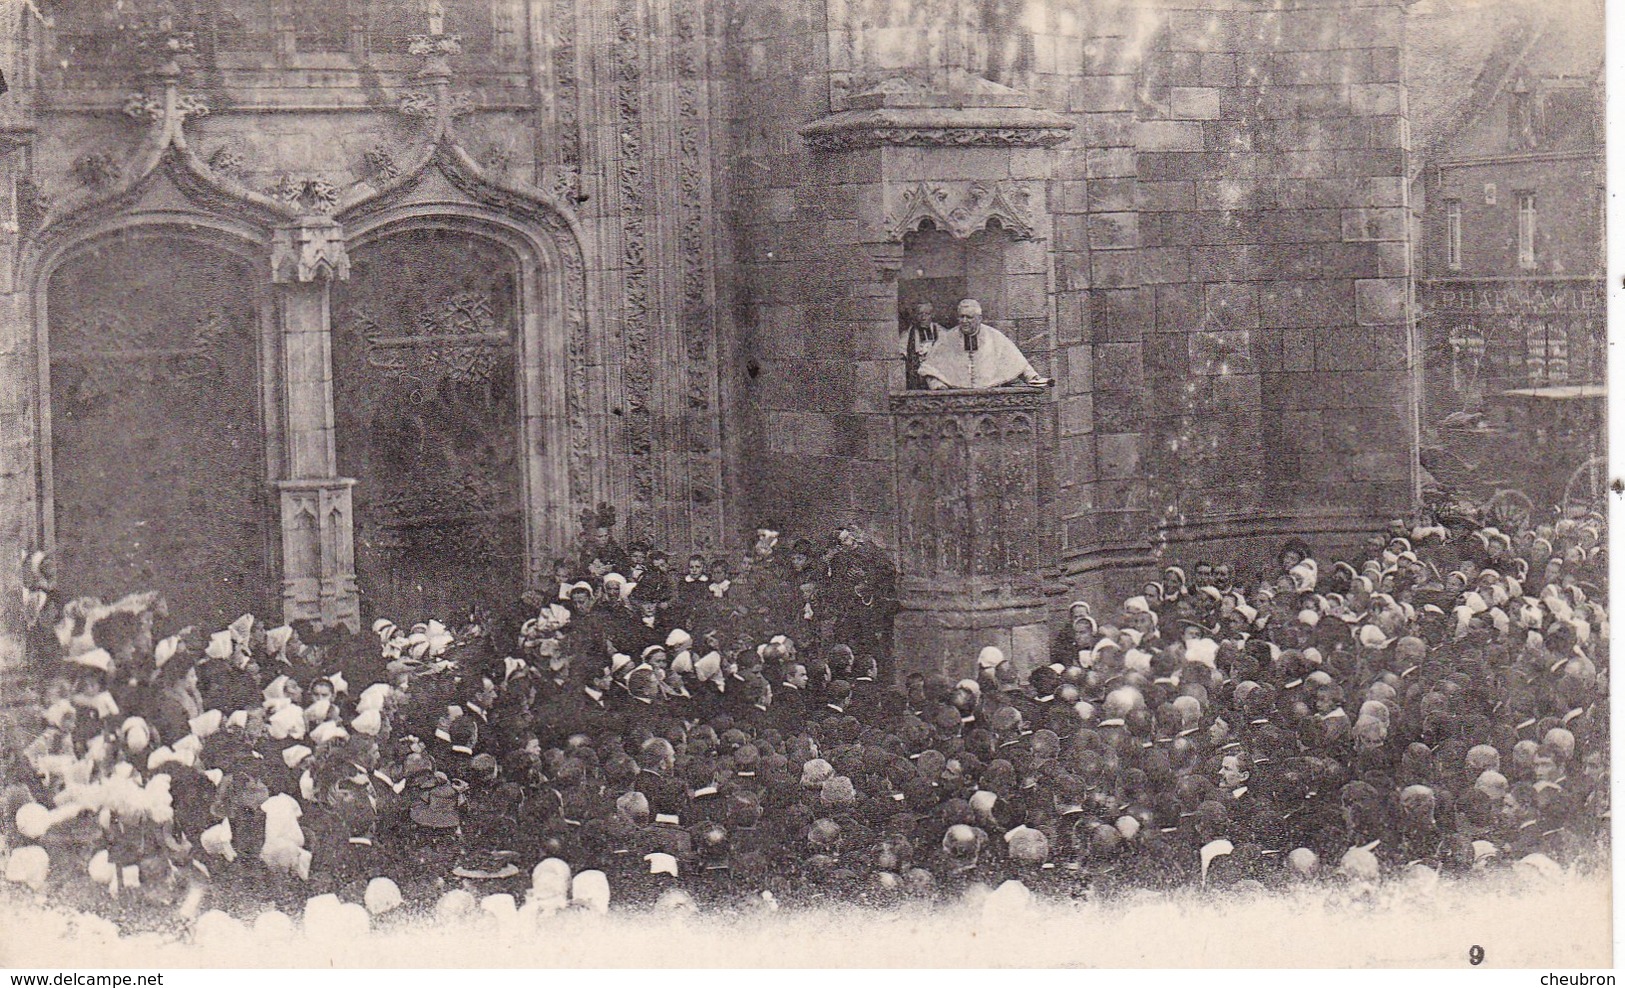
[{"x": 1438, "y": 703}]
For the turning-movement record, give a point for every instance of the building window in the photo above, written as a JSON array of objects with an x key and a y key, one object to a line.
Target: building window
[
  {"x": 1526, "y": 230},
  {"x": 1452, "y": 234}
]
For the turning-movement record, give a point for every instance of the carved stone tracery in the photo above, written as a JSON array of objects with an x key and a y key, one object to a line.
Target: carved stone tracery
[
  {"x": 969, "y": 485},
  {"x": 459, "y": 343},
  {"x": 108, "y": 350},
  {"x": 694, "y": 194},
  {"x": 1003, "y": 204},
  {"x": 632, "y": 184},
  {"x": 419, "y": 104},
  {"x": 309, "y": 250},
  {"x": 877, "y": 135},
  {"x": 229, "y": 161},
  {"x": 151, "y": 107},
  {"x": 319, "y": 582}
]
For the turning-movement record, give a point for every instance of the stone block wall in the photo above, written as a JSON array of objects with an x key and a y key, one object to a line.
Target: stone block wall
[
  {"x": 798, "y": 439},
  {"x": 1280, "y": 356},
  {"x": 1103, "y": 306}
]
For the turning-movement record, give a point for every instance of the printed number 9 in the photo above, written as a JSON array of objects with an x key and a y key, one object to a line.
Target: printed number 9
[{"x": 1475, "y": 956}]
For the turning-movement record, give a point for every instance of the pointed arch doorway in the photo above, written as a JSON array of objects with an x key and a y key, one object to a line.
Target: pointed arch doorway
[
  {"x": 428, "y": 397},
  {"x": 157, "y": 469}
]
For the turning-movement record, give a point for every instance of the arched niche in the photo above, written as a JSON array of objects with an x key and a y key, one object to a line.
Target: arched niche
[
  {"x": 427, "y": 380},
  {"x": 941, "y": 268},
  {"x": 457, "y": 407},
  {"x": 157, "y": 429}
]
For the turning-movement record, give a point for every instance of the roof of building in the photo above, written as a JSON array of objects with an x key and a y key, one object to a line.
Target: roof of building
[{"x": 1462, "y": 55}]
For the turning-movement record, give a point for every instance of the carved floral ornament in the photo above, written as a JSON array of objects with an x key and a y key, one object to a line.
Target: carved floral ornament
[
  {"x": 975, "y": 113},
  {"x": 993, "y": 400},
  {"x": 929, "y": 205},
  {"x": 155, "y": 107},
  {"x": 309, "y": 193},
  {"x": 426, "y": 105},
  {"x": 850, "y": 138}
]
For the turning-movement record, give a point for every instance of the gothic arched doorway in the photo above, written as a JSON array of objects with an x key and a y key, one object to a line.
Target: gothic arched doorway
[
  {"x": 426, "y": 392},
  {"x": 157, "y": 452}
]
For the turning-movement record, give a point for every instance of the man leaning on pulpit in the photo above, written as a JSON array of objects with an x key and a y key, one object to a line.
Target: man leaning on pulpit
[{"x": 980, "y": 357}]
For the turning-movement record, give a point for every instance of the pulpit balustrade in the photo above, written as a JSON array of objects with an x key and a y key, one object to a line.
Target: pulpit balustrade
[{"x": 976, "y": 542}]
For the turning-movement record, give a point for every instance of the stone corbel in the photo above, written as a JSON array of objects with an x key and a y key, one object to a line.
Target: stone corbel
[
  {"x": 310, "y": 249},
  {"x": 887, "y": 257},
  {"x": 318, "y": 555}
]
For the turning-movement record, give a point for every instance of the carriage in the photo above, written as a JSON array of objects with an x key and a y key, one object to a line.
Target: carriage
[{"x": 1530, "y": 452}]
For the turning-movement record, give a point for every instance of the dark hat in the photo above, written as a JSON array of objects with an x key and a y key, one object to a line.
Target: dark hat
[
  {"x": 920, "y": 796},
  {"x": 744, "y": 809},
  {"x": 620, "y": 767},
  {"x": 1044, "y": 680},
  {"x": 437, "y": 807}
]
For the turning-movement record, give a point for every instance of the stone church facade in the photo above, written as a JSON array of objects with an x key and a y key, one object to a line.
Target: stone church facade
[{"x": 352, "y": 308}]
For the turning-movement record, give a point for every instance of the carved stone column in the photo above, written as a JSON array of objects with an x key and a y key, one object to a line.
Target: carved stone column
[
  {"x": 318, "y": 552},
  {"x": 976, "y": 529}
]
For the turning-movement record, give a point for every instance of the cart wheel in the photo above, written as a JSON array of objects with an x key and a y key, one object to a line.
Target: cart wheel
[
  {"x": 1587, "y": 487},
  {"x": 1510, "y": 511}
]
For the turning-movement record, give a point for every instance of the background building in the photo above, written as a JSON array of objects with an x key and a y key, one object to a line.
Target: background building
[
  {"x": 1511, "y": 298},
  {"x": 1515, "y": 246}
]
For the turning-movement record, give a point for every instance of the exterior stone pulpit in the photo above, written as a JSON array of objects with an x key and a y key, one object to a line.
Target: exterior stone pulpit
[{"x": 976, "y": 536}]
